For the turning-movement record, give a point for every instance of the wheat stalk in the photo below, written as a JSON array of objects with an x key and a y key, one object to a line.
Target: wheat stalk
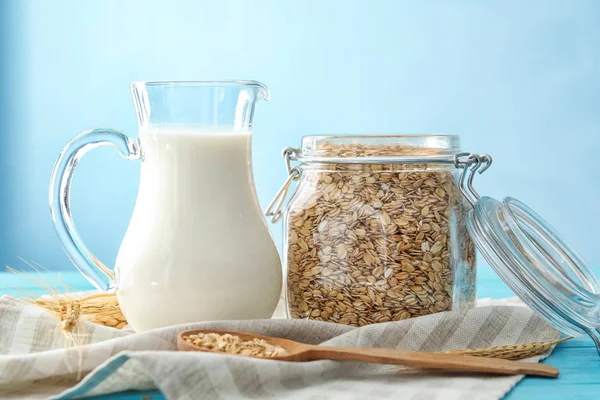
[
  {"x": 512, "y": 352},
  {"x": 100, "y": 309}
]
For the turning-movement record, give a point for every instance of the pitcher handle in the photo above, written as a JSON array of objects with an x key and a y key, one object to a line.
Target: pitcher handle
[{"x": 60, "y": 189}]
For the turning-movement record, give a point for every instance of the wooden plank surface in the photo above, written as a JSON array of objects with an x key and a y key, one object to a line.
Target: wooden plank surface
[{"x": 577, "y": 360}]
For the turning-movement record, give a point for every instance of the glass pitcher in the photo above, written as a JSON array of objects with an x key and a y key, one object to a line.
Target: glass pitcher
[{"x": 197, "y": 247}]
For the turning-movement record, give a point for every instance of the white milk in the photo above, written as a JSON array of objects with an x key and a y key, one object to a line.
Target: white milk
[{"x": 197, "y": 247}]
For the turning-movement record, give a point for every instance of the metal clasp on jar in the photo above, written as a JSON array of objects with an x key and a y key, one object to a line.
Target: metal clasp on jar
[{"x": 275, "y": 208}]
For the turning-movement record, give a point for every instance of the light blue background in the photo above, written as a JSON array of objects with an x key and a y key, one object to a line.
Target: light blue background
[{"x": 517, "y": 79}]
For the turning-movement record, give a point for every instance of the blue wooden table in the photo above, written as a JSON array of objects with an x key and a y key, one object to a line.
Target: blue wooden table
[{"x": 576, "y": 359}]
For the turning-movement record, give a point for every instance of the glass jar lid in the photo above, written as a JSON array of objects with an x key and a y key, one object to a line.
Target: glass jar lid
[{"x": 532, "y": 258}]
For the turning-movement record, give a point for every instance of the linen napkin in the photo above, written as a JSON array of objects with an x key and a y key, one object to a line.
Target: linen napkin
[{"x": 34, "y": 364}]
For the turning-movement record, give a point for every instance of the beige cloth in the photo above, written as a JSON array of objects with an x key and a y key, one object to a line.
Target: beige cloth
[{"x": 33, "y": 363}]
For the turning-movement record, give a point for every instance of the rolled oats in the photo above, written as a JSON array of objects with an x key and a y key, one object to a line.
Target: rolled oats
[
  {"x": 233, "y": 344},
  {"x": 370, "y": 243}
]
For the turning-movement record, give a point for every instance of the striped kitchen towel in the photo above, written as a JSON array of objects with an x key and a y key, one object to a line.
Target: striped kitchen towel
[{"x": 34, "y": 364}]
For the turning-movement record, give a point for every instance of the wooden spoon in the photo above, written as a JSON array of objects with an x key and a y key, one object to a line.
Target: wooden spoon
[{"x": 305, "y": 352}]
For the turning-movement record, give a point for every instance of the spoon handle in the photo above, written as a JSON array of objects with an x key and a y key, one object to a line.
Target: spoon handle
[{"x": 451, "y": 362}]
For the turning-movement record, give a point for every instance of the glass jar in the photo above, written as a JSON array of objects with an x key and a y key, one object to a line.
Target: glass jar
[
  {"x": 521, "y": 247},
  {"x": 375, "y": 230}
]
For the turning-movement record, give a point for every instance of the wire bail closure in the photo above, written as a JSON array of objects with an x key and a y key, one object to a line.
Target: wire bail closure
[
  {"x": 275, "y": 207},
  {"x": 474, "y": 163},
  {"x": 470, "y": 163}
]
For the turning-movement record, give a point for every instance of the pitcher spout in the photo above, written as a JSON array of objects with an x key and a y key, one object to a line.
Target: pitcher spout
[{"x": 263, "y": 91}]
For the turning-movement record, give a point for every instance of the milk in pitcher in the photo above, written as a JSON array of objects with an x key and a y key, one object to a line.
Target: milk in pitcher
[{"x": 196, "y": 221}]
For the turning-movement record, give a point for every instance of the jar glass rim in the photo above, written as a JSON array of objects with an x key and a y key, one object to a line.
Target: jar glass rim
[
  {"x": 387, "y": 135},
  {"x": 395, "y": 148}
]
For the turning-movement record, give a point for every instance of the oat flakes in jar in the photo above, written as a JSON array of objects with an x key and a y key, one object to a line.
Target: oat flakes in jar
[{"x": 375, "y": 229}]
